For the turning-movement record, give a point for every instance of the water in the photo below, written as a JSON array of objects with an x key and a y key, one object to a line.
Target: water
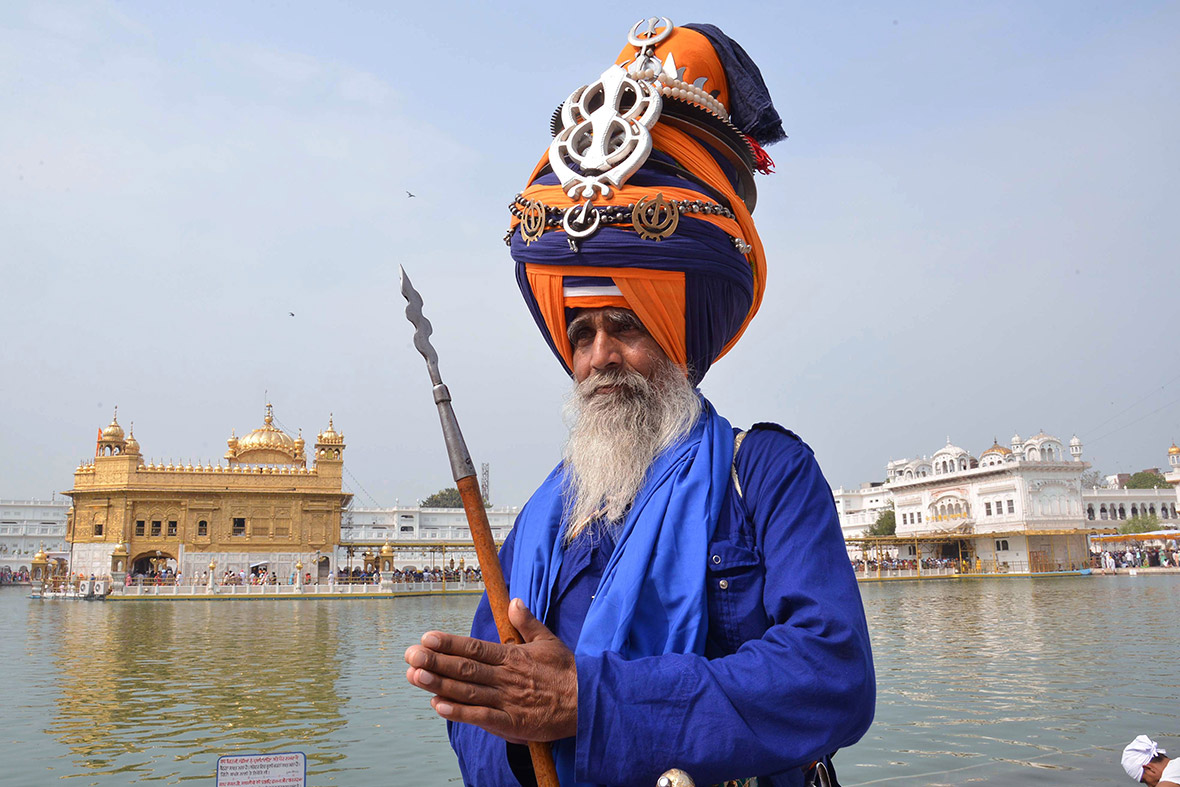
[{"x": 1011, "y": 681}]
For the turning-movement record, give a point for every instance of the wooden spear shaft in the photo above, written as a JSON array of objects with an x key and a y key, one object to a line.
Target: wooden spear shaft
[{"x": 463, "y": 471}]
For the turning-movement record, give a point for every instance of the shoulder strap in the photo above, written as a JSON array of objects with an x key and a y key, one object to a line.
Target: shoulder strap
[{"x": 737, "y": 443}]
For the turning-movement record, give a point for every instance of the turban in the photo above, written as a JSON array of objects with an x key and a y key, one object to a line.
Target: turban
[
  {"x": 644, "y": 199},
  {"x": 1138, "y": 753}
]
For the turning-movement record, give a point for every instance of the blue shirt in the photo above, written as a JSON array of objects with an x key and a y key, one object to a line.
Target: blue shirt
[{"x": 787, "y": 675}]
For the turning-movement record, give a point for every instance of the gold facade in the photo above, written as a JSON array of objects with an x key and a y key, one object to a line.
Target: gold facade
[{"x": 264, "y": 502}]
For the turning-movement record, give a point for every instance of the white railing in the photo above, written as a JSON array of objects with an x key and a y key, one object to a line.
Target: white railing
[
  {"x": 262, "y": 591},
  {"x": 900, "y": 573}
]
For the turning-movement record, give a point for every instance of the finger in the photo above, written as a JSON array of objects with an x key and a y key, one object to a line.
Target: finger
[
  {"x": 413, "y": 677},
  {"x": 472, "y": 694},
  {"x": 453, "y": 667},
  {"x": 466, "y": 647},
  {"x": 494, "y": 721},
  {"x": 523, "y": 620}
]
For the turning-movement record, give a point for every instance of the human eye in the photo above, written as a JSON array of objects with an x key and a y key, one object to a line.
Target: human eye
[{"x": 579, "y": 334}]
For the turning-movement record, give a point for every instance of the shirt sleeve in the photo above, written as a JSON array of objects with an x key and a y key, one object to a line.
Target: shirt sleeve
[{"x": 801, "y": 691}]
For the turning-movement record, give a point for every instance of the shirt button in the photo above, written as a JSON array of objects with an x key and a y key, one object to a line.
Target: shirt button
[
  {"x": 716, "y": 559},
  {"x": 723, "y": 584}
]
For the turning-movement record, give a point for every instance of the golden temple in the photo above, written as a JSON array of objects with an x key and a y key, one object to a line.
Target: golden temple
[{"x": 262, "y": 507}]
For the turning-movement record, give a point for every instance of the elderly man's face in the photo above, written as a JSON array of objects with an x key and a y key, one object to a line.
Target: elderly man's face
[
  {"x": 1152, "y": 772},
  {"x": 611, "y": 339}
]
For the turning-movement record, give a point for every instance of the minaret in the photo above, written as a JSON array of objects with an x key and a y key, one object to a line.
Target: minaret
[
  {"x": 1075, "y": 448},
  {"x": 329, "y": 445},
  {"x": 110, "y": 440}
]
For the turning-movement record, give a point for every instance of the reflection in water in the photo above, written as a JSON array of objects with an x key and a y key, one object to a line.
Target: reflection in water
[
  {"x": 1016, "y": 681},
  {"x": 153, "y": 692},
  {"x": 146, "y": 687},
  {"x": 1012, "y": 681}
]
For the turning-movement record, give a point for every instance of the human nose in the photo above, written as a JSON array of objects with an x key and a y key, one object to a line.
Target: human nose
[{"x": 605, "y": 352}]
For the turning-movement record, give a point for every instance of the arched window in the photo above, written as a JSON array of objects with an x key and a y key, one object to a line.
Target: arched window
[
  {"x": 1122, "y": 513},
  {"x": 1102, "y": 512},
  {"x": 1090, "y": 512},
  {"x": 1134, "y": 512}
]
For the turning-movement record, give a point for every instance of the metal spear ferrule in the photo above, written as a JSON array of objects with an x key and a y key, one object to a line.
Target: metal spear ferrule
[{"x": 460, "y": 457}]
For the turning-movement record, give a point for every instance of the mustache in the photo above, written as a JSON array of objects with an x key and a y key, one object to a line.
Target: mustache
[{"x": 628, "y": 380}]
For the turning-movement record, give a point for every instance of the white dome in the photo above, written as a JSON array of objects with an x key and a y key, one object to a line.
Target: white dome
[{"x": 950, "y": 450}]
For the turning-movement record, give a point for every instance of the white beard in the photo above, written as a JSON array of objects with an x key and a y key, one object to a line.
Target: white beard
[{"x": 615, "y": 436}]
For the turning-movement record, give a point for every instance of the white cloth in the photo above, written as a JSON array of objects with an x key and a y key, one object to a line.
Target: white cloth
[
  {"x": 1138, "y": 753},
  {"x": 1171, "y": 773}
]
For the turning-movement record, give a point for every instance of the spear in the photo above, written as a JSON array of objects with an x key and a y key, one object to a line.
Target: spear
[{"x": 463, "y": 472}]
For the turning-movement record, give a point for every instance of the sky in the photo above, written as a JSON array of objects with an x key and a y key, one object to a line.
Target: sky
[{"x": 971, "y": 230}]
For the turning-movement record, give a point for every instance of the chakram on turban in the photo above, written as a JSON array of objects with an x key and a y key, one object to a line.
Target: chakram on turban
[{"x": 644, "y": 199}]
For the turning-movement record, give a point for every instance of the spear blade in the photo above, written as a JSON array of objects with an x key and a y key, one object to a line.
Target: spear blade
[{"x": 422, "y": 327}]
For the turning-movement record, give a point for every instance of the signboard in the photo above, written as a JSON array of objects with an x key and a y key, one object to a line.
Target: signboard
[{"x": 285, "y": 769}]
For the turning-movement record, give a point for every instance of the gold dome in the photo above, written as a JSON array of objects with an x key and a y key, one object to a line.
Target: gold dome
[
  {"x": 270, "y": 444},
  {"x": 132, "y": 446},
  {"x": 113, "y": 430},
  {"x": 331, "y": 436},
  {"x": 1174, "y": 450},
  {"x": 996, "y": 449},
  {"x": 386, "y": 549}
]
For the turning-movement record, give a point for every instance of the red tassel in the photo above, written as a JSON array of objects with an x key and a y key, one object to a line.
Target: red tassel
[{"x": 762, "y": 161}]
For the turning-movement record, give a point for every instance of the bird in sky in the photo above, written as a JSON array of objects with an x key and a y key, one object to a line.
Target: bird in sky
[
  {"x": 291, "y": 313},
  {"x": 408, "y": 194}
]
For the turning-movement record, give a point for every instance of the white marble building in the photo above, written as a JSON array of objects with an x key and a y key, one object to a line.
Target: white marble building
[
  {"x": 26, "y": 525},
  {"x": 1004, "y": 504},
  {"x": 428, "y": 529}
]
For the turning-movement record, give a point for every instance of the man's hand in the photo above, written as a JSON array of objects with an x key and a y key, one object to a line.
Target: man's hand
[{"x": 525, "y": 692}]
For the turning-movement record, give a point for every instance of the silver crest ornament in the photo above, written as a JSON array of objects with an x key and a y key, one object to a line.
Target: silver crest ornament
[
  {"x": 606, "y": 126},
  {"x": 655, "y": 30},
  {"x": 606, "y": 134}
]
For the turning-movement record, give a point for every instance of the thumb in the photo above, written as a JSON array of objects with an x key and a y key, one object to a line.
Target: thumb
[{"x": 523, "y": 621}]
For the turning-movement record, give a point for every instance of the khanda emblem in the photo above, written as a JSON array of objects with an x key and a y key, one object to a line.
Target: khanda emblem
[
  {"x": 655, "y": 218},
  {"x": 606, "y": 134},
  {"x": 532, "y": 221}
]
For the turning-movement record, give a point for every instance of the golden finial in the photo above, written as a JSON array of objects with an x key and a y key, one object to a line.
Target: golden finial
[{"x": 270, "y": 418}]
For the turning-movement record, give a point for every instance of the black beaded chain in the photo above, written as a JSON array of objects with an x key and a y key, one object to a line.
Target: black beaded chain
[{"x": 620, "y": 214}]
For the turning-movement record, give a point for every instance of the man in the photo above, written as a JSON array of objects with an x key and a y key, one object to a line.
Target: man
[
  {"x": 684, "y": 596},
  {"x": 1145, "y": 762}
]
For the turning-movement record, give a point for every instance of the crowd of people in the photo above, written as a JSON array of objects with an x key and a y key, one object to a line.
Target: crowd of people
[
  {"x": 10, "y": 577},
  {"x": 1138, "y": 556},
  {"x": 861, "y": 565},
  {"x": 360, "y": 576}
]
